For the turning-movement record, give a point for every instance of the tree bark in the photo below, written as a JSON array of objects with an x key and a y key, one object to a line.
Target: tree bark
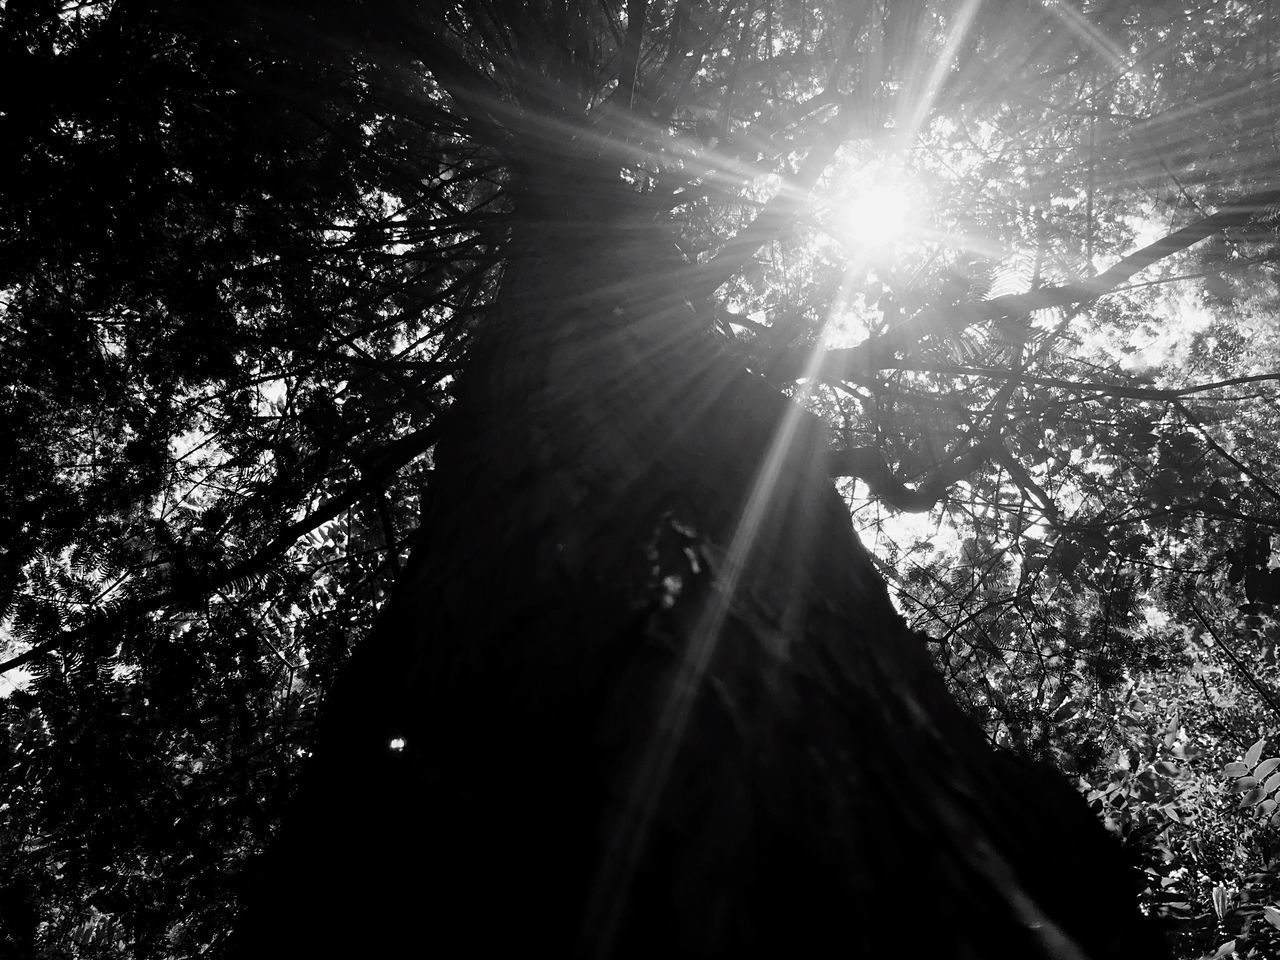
[{"x": 653, "y": 698}]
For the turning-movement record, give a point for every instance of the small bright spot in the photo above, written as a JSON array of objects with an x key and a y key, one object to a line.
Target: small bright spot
[
  {"x": 880, "y": 207},
  {"x": 397, "y": 743},
  {"x": 671, "y": 587}
]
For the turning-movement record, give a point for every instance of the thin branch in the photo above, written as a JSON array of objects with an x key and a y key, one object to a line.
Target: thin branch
[
  {"x": 857, "y": 363},
  {"x": 1253, "y": 681},
  {"x": 778, "y": 211},
  {"x": 629, "y": 61},
  {"x": 774, "y": 217},
  {"x": 389, "y": 460},
  {"x": 868, "y": 465},
  {"x": 1166, "y": 394},
  {"x": 1222, "y": 452}
]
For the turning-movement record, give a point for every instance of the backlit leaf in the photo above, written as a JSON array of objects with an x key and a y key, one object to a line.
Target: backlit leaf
[
  {"x": 1251, "y": 758},
  {"x": 1221, "y": 901},
  {"x": 1266, "y": 767}
]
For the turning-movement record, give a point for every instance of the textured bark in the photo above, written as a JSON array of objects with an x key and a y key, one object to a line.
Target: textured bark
[{"x": 654, "y": 697}]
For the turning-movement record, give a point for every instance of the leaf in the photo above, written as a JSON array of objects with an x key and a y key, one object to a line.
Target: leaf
[
  {"x": 1243, "y": 784},
  {"x": 1236, "y": 769},
  {"x": 1226, "y": 950},
  {"x": 1266, "y": 766},
  {"x": 1221, "y": 901},
  {"x": 1273, "y": 916},
  {"x": 1165, "y": 768},
  {"x": 1273, "y": 781},
  {"x": 1252, "y": 797},
  {"x": 1251, "y": 758}
]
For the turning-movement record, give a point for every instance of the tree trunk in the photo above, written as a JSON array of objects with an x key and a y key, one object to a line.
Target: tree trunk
[{"x": 653, "y": 697}]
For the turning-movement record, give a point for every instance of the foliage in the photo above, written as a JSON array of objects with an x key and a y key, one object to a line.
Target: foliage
[{"x": 242, "y": 261}]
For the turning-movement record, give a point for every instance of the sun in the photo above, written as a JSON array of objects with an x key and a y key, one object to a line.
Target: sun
[{"x": 879, "y": 207}]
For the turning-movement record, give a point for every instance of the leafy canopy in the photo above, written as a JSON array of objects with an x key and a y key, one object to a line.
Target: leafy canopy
[{"x": 1019, "y": 255}]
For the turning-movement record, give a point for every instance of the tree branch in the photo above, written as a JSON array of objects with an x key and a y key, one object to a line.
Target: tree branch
[
  {"x": 388, "y": 460},
  {"x": 775, "y": 215},
  {"x": 1224, "y": 453},
  {"x": 1104, "y": 388},
  {"x": 1239, "y": 664},
  {"x": 1236, "y": 214},
  {"x": 630, "y": 54},
  {"x": 868, "y": 465},
  {"x": 857, "y": 363}
]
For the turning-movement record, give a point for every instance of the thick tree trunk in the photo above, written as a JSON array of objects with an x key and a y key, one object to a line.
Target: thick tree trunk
[{"x": 653, "y": 697}]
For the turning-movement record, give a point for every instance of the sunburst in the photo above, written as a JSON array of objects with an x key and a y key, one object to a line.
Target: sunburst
[{"x": 879, "y": 207}]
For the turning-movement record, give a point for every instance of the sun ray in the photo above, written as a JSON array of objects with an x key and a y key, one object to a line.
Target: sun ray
[
  {"x": 1090, "y": 33},
  {"x": 910, "y": 126},
  {"x": 653, "y": 773}
]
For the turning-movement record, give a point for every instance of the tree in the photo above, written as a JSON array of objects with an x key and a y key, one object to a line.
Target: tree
[
  {"x": 638, "y": 687},
  {"x": 645, "y": 693}
]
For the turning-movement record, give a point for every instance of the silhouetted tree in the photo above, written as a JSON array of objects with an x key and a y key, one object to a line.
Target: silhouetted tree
[{"x": 640, "y": 690}]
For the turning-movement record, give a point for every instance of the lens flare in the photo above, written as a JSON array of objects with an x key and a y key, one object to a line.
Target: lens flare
[{"x": 879, "y": 209}]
